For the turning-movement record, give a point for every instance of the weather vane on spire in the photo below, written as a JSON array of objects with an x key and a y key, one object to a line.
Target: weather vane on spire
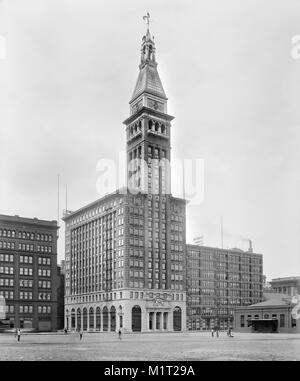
[{"x": 147, "y": 17}]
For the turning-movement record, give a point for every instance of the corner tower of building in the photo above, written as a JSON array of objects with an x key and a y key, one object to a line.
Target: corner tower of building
[{"x": 148, "y": 127}]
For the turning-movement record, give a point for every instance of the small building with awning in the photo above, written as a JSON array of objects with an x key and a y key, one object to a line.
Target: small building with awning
[{"x": 277, "y": 313}]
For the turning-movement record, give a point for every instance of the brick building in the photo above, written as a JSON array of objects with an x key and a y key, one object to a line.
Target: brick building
[
  {"x": 218, "y": 280},
  {"x": 28, "y": 272},
  {"x": 125, "y": 253}
]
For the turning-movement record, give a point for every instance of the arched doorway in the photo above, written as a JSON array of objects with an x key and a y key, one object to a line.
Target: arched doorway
[
  {"x": 78, "y": 319},
  {"x": 98, "y": 319},
  {"x": 113, "y": 318},
  {"x": 84, "y": 315},
  {"x": 91, "y": 318},
  {"x": 73, "y": 319},
  {"x": 105, "y": 319},
  {"x": 136, "y": 319},
  {"x": 177, "y": 319}
]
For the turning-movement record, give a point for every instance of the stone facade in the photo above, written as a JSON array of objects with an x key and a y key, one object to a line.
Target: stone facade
[{"x": 125, "y": 253}]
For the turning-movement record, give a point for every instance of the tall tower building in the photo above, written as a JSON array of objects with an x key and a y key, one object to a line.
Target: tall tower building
[{"x": 125, "y": 253}]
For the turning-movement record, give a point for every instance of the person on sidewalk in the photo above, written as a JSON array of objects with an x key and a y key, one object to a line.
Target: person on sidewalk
[
  {"x": 19, "y": 334},
  {"x": 80, "y": 334},
  {"x": 120, "y": 334}
]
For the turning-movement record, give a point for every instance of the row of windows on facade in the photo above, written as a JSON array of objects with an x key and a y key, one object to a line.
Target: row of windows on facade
[
  {"x": 195, "y": 255},
  {"x": 91, "y": 267},
  {"x": 120, "y": 294},
  {"x": 216, "y": 281},
  {"x": 29, "y": 309},
  {"x": 222, "y": 290},
  {"x": 211, "y": 301},
  {"x": 225, "y": 266},
  {"x": 28, "y": 271},
  {"x": 94, "y": 212},
  {"x": 25, "y": 247},
  {"x": 223, "y": 281},
  {"x": 26, "y": 235},
  {"x": 282, "y": 320},
  {"x": 108, "y": 284},
  {"x": 25, "y": 259},
  {"x": 222, "y": 293},
  {"x": 209, "y": 311},
  {"x": 27, "y": 295}
]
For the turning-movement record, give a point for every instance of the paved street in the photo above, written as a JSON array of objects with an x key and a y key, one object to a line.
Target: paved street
[{"x": 158, "y": 346}]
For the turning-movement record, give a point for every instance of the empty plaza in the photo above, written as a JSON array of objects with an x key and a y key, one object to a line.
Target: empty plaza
[{"x": 189, "y": 346}]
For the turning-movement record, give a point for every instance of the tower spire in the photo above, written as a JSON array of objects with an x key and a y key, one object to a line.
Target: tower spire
[{"x": 147, "y": 17}]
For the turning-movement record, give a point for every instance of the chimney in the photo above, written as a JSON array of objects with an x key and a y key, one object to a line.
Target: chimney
[{"x": 250, "y": 250}]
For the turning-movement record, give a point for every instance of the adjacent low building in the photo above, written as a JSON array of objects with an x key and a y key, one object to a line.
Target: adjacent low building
[
  {"x": 218, "y": 280},
  {"x": 288, "y": 285},
  {"x": 277, "y": 313},
  {"x": 28, "y": 272}
]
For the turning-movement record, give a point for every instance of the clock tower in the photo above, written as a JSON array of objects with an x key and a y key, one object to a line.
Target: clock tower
[{"x": 148, "y": 128}]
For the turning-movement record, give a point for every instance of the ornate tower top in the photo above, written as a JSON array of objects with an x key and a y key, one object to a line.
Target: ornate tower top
[{"x": 148, "y": 80}]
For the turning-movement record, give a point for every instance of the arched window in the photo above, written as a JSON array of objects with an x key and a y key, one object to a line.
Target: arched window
[
  {"x": 113, "y": 318},
  {"x": 98, "y": 319},
  {"x": 73, "y": 320},
  {"x": 91, "y": 318},
  {"x": 78, "y": 319},
  {"x": 136, "y": 319},
  {"x": 163, "y": 129},
  {"x": 150, "y": 125},
  {"x": 177, "y": 319},
  {"x": 156, "y": 127},
  {"x": 84, "y": 315},
  {"x": 105, "y": 319}
]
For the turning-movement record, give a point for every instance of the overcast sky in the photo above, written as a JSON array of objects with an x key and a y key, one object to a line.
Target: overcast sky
[{"x": 233, "y": 87}]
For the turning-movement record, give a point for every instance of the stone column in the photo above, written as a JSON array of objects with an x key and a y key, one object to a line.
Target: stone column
[
  {"x": 101, "y": 321},
  {"x": 75, "y": 320},
  {"x": 88, "y": 320},
  {"x": 170, "y": 321},
  {"x": 66, "y": 321},
  {"x": 108, "y": 328},
  {"x": 94, "y": 319}
]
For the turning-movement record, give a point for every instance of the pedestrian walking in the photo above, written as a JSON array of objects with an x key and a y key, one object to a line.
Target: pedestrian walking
[
  {"x": 120, "y": 334},
  {"x": 80, "y": 334},
  {"x": 212, "y": 333},
  {"x": 217, "y": 331},
  {"x": 19, "y": 334}
]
